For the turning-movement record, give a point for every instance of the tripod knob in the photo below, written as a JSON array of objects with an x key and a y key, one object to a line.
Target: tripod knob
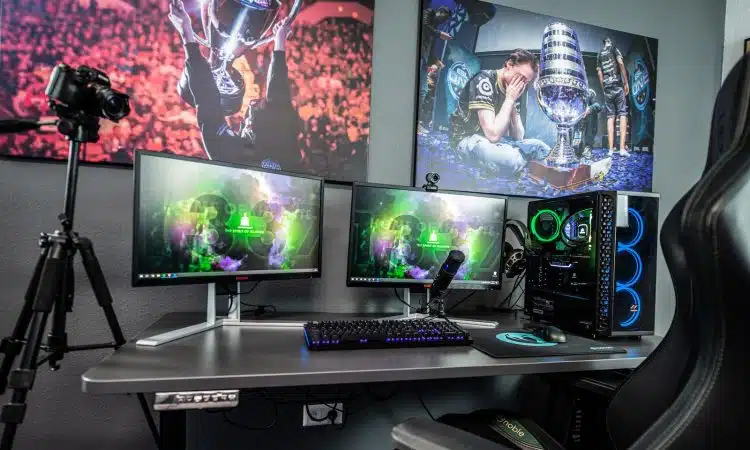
[{"x": 43, "y": 240}]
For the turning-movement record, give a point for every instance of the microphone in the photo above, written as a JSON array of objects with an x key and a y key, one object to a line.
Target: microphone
[
  {"x": 447, "y": 271},
  {"x": 22, "y": 125}
]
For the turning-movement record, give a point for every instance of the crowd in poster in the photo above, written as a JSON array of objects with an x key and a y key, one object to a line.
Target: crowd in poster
[{"x": 283, "y": 84}]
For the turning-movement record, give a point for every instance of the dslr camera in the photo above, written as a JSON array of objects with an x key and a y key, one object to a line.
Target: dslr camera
[{"x": 87, "y": 90}]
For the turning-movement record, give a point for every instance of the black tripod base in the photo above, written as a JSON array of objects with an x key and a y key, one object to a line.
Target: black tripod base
[{"x": 50, "y": 291}]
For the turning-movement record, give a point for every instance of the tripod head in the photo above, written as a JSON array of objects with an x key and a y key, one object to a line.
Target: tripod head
[{"x": 74, "y": 124}]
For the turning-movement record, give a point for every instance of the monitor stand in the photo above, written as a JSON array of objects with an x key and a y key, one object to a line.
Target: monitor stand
[
  {"x": 437, "y": 307},
  {"x": 212, "y": 321}
]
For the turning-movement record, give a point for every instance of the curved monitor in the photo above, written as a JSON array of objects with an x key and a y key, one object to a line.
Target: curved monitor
[
  {"x": 199, "y": 221},
  {"x": 400, "y": 236}
]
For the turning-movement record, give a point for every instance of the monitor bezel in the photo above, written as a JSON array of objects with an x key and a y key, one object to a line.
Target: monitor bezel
[
  {"x": 419, "y": 284},
  {"x": 230, "y": 277}
]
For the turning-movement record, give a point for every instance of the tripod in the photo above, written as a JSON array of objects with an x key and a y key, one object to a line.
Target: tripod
[{"x": 51, "y": 291}]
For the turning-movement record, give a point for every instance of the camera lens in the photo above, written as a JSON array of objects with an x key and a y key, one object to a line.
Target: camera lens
[{"x": 114, "y": 105}]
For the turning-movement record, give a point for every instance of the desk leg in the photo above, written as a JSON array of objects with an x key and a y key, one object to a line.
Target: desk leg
[{"x": 173, "y": 430}]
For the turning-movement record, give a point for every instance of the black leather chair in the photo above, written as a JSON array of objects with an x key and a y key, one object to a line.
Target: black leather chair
[{"x": 691, "y": 391}]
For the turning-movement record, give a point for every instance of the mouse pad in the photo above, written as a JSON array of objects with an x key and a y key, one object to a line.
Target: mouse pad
[{"x": 519, "y": 343}]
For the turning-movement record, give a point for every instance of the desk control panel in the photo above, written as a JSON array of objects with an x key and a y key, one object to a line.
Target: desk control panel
[{"x": 167, "y": 401}]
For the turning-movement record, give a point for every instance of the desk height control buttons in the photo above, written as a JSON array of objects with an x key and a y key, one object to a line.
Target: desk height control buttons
[{"x": 168, "y": 401}]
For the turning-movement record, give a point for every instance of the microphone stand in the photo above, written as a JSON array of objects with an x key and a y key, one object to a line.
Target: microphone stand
[
  {"x": 50, "y": 290},
  {"x": 435, "y": 304}
]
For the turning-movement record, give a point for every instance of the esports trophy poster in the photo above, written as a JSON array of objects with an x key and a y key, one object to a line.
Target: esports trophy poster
[
  {"x": 517, "y": 103},
  {"x": 280, "y": 84}
]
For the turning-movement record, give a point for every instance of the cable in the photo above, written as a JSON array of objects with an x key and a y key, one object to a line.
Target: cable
[
  {"x": 426, "y": 409},
  {"x": 227, "y": 419},
  {"x": 258, "y": 311},
  {"x": 520, "y": 296},
  {"x": 398, "y": 296},
  {"x": 331, "y": 415},
  {"x": 512, "y": 291},
  {"x": 460, "y": 301},
  {"x": 231, "y": 303},
  {"x": 248, "y": 292},
  {"x": 377, "y": 399}
]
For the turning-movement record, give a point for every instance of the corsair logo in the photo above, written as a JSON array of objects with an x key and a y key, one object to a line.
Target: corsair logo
[{"x": 601, "y": 348}]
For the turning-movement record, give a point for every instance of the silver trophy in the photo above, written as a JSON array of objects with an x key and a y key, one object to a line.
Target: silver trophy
[
  {"x": 562, "y": 87},
  {"x": 231, "y": 27}
]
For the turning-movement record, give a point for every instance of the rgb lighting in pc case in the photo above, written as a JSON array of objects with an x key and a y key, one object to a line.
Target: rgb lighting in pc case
[{"x": 592, "y": 262}]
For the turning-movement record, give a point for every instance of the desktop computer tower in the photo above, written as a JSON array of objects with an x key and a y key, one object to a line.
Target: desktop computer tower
[{"x": 592, "y": 262}]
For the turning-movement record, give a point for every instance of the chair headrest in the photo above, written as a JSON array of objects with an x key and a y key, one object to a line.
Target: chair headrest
[{"x": 730, "y": 118}]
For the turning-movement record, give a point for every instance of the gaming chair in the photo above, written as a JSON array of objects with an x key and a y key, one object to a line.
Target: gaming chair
[
  {"x": 691, "y": 391},
  {"x": 715, "y": 233}
]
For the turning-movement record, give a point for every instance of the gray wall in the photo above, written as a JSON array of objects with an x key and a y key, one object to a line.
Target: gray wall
[
  {"x": 735, "y": 32},
  {"x": 690, "y": 39}
]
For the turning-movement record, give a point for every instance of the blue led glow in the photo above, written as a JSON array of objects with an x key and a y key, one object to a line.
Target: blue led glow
[
  {"x": 307, "y": 338},
  {"x": 634, "y": 315},
  {"x": 626, "y": 286},
  {"x": 525, "y": 339},
  {"x": 639, "y": 227},
  {"x": 638, "y": 267}
]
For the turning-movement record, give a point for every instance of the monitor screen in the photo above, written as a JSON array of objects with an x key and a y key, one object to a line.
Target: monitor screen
[
  {"x": 199, "y": 221},
  {"x": 400, "y": 236}
]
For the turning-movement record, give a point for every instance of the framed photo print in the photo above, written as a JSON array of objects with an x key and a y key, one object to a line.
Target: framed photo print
[
  {"x": 518, "y": 103},
  {"x": 282, "y": 84}
]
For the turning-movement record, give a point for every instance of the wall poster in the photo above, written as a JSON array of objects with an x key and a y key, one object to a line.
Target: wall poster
[
  {"x": 518, "y": 103},
  {"x": 283, "y": 84}
]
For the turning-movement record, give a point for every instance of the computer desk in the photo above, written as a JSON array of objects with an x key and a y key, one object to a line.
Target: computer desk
[{"x": 247, "y": 358}]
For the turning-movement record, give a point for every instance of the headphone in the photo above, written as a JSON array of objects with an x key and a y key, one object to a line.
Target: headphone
[{"x": 515, "y": 258}]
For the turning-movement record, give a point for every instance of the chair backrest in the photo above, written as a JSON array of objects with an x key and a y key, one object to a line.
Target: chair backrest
[
  {"x": 655, "y": 384},
  {"x": 669, "y": 373},
  {"x": 715, "y": 232}
]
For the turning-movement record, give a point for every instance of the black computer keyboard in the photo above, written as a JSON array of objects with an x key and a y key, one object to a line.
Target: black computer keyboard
[{"x": 347, "y": 335}]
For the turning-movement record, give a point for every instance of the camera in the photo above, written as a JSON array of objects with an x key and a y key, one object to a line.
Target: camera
[
  {"x": 432, "y": 179},
  {"x": 87, "y": 90}
]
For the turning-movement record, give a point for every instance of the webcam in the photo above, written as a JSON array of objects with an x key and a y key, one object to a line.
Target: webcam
[{"x": 432, "y": 179}]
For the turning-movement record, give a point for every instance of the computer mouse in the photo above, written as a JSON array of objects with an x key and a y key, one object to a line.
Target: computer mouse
[{"x": 550, "y": 334}]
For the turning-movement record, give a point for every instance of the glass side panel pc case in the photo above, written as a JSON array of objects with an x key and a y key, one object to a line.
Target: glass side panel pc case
[
  {"x": 592, "y": 262},
  {"x": 199, "y": 221},
  {"x": 399, "y": 237}
]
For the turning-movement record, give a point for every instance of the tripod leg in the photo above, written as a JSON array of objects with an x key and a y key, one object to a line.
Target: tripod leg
[
  {"x": 11, "y": 346},
  {"x": 57, "y": 340},
  {"x": 99, "y": 285},
  {"x": 149, "y": 419},
  {"x": 22, "y": 379}
]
